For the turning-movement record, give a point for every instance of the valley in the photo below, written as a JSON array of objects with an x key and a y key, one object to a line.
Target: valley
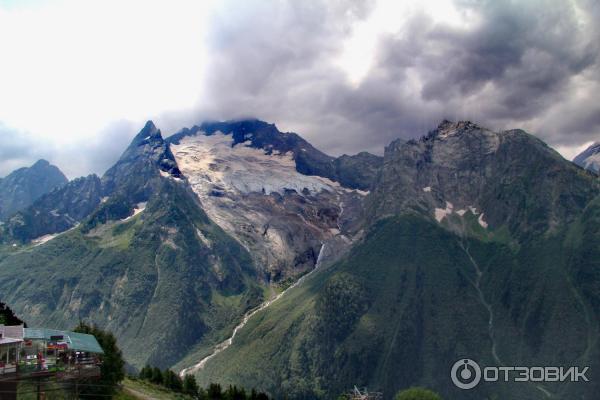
[
  {"x": 257, "y": 260},
  {"x": 224, "y": 345}
]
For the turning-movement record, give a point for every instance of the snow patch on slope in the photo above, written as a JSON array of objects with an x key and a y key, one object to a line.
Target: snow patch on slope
[
  {"x": 213, "y": 162},
  {"x": 441, "y": 213},
  {"x": 165, "y": 174},
  {"x": 278, "y": 214},
  {"x": 138, "y": 209},
  {"x": 43, "y": 239},
  {"x": 482, "y": 222},
  {"x": 48, "y": 237},
  {"x": 207, "y": 242}
]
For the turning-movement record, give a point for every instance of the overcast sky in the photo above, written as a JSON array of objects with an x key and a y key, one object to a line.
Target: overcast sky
[{"x": 79, "y": 78}]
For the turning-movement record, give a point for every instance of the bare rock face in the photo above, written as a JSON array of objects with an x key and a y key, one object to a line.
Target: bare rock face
[
  {"x": 136, "y": 176},
  {"x": 257, "y": 195},
  {"x": 147, "y": 157},
  {"x": 507, "y": 178},
  {"x": 441, "y": 167}
]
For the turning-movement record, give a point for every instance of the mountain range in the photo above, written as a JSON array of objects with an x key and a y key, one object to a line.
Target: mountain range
[
  {"x": 22, "y": 187},
  {"x": 353, "y": 270},
  {"x": 589, "y": 158}
]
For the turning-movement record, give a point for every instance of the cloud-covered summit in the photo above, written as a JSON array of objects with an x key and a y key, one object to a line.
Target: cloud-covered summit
[
  {"x": 529, "y": 64},
  {"x": 351, "y": 76}
]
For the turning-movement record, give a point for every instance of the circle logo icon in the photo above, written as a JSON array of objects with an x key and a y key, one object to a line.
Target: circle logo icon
[{"x": 465, "y": 374}]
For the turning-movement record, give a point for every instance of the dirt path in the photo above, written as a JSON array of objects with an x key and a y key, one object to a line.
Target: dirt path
[{"x": 138, "y": 394}]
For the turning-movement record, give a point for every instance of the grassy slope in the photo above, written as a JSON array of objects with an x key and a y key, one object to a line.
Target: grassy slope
[
  {"x": 409, "y": 310},
  {"x": 150, "y": 279}
]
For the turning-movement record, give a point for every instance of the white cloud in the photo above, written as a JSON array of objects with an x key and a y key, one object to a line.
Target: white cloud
[
  {"x": 79, "y": 77},
  {"x": 390, "y": 17},
  {"x": 69, "y": 68}
]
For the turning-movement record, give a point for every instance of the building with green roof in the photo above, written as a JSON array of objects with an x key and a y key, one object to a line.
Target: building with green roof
[
  {"x": 75, "y": 341},
  {"x": 35, "y": 352}
]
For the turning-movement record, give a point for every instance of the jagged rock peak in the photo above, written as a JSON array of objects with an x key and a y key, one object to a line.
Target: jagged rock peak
[
  {"x": 148, "y": 133},
  {"x": 150, "y": 129},
  {"x": 449, "y": 128},
  {"x": 394, "y": 146},
  {"x": 40, "y": 163}
]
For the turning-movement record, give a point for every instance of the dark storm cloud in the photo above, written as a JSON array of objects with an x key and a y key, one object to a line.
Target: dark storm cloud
[
  {"x": 520, "y": 64},
  {"x": 528, "y": 51},
  {"x": 273, "y": 61},
  {"x": 528, "y": 64}
]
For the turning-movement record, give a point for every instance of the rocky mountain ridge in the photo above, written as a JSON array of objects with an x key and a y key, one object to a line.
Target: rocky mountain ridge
[
  {"x": 468, "y": 243},
  {"x": 153, "y": 261},
  {"x": 23, "y": 186},
  {"x": 57, "y": 211},
  {"x": 355, "y": 171},
  {"x": 478, "y": 244},
  {"x": 507, "y": 178}
]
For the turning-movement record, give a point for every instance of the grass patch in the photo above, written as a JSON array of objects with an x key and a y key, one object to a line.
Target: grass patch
[{"x": 134, "y": 388}]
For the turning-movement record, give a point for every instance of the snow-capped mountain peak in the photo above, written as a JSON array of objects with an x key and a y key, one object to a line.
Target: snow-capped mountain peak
[{"x": 589, "y": 158}]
